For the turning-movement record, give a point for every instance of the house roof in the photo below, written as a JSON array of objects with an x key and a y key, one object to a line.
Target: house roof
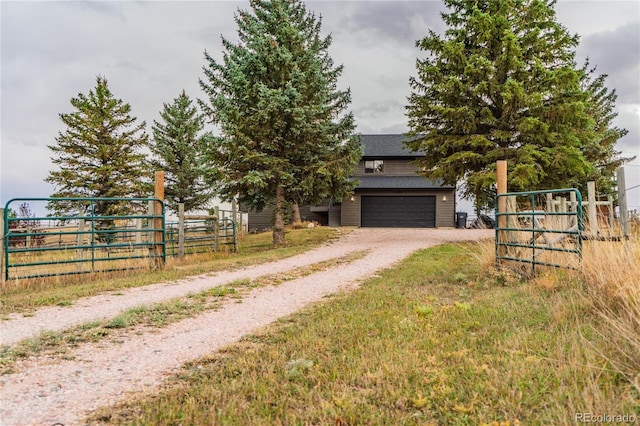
[
  {"x": 399, "y": 182},
  {"x": 385, "y": 146}
]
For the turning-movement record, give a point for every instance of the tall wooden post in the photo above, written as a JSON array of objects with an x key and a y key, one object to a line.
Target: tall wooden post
[
  {"x": 501, "y": 180},
  {"x": 80, "y": 243},
  {"x": 3, "y": 273},
  {"x": 216, "y": 229},
  {"x": 159, "y": 194},
  {"x": 180, "y": 230},
  {"x": 622, "y": 202},
  {"x": 592, "y": 209}
]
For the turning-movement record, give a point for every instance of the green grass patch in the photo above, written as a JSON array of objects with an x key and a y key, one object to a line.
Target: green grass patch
[
  {"x": 432, "y": 341},
  {"x": 253, "y": 249},
  {"x": 155, "y": 315}
]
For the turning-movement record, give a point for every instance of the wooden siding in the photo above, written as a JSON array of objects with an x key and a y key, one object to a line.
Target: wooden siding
[
  {"x": 258, "y": 222},
  {"x": 350, "y": 212},
  {"x": 392, "y": 167}
]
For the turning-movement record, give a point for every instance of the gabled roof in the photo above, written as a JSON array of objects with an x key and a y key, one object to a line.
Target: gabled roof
[
  {"x": 399, "y": 182},
  {"x": 386, "y": 146}
]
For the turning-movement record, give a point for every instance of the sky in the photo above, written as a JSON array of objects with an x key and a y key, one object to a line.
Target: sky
[{"x": 149, "y": 52}]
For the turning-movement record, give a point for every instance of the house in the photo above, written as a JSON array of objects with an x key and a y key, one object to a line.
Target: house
[{"x": 390, "y": 193}]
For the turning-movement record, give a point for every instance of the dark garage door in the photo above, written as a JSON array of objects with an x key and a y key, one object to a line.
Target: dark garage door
[{"x": 398, "y": 211}]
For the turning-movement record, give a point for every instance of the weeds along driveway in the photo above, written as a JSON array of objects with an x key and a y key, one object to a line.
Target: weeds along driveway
[{"x": 46, "y": 391}]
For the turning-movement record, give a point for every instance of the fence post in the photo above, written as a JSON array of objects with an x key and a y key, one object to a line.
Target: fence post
[
  {"x": 3, "y": 274},
  {"x": 574, "y": 208},
  {"x": 622, "y": 202},
  {"x": 180, "y": 230},
  {"x": 592, "y": 209},
  {"x": 216, "y": 229},
  {"x": 501, "y": 179},
  {"x": 138, "y": 240},
  {"x": 80, "y": 242},
  {"x": 158, "y": 225}
]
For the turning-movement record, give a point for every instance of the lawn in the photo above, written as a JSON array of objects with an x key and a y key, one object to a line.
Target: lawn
[{"x": 440, "y": 339}]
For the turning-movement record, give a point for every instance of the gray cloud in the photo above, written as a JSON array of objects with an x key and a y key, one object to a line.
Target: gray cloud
[
  {"x": 401, "y": 21},
  {"x": 617, "y": 53}
]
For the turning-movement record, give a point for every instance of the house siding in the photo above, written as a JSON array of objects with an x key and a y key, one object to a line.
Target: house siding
[{"x": 392, "y": 167}]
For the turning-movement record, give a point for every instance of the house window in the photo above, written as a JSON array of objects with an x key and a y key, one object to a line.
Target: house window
[{"x": 374, "y": 166}]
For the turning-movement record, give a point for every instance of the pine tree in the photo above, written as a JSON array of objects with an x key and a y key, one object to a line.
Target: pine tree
[
  {"x": 286, "y": 135},
  {"x": 99, "y": 154},
  {"x": 178, "y": 147},
  {"x": 501, "y": 84},
  {"x": 601, "y": 152}
]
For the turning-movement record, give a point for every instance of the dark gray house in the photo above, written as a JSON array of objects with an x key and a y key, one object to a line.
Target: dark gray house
[{"x": 390, "y": 193}]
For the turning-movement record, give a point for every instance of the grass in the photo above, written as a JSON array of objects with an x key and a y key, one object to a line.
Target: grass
[
  {"x": 24, "y": 296},
  {"x": 141, "y": 318},
  {"x": 440, "y": 339}
]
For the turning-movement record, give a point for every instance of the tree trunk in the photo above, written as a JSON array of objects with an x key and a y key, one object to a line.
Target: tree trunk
[
  {"x": 295, "y": 212},
  {"x": 278, "y": 224}
]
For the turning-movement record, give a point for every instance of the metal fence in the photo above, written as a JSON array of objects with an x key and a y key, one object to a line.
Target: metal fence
[
  {"x": 84, "y": 239},
  {"x": 540, "y": 228}
]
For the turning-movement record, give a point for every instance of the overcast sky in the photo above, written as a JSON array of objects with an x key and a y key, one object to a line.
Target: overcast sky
[{"x": 150, "y": 51}]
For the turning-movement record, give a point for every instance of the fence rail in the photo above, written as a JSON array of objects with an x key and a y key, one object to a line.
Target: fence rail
[{"x": 540, "y": 228}]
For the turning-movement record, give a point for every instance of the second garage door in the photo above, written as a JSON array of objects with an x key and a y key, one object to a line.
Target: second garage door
[{"x": 398, "y": 211}]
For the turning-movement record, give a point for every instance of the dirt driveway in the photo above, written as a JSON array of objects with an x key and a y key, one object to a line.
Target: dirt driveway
[{"x": 54, "y": 390}]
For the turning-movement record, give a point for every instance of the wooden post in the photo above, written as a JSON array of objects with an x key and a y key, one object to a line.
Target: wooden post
[
  {"x": 592, "y": 209},
  {"x": 80, "y": 242},
  {"x": 159, "y": 194},
  {"x": 216, "y": 229},
  {"x": 501, "y": 180},
  {"x": 180, "y": 230},
  {"x": 622, "y": 202},
  {"x": 3, "y": 266},
  {"x": 574, "y": 208},
  {"x": 564, "y": 223}
]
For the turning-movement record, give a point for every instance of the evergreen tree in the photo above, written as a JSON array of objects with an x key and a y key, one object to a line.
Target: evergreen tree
[
  {"x": 99, "y": 154},
  {"x": 286, "y": 135},
  {"x": 501, "y": 84},
  {"x": 601, "y": 152},
  {"x": 178, "y": 147}
]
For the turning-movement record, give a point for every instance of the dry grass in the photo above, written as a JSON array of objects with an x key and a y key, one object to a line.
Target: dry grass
[{"x": 608, "y": 281}]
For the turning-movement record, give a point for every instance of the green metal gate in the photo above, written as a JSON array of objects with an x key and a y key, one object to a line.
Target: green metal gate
[
  {"x": 540, "y": 228},
  {"x": 84, "y": 241}
]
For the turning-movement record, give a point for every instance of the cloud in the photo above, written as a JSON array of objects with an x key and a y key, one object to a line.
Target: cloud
[
  {"x": 617, "y": 53},
  {"x": 402, "y": 22}
]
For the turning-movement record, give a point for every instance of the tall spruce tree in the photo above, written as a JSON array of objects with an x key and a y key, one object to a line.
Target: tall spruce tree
[
  {"x": 286, "y": 135},
  {"x": 602, "y": 152},
  {"x": 178, "y": 146},
  {"x": 99, "y": 154},
  {"x": 501, "y": 84}
]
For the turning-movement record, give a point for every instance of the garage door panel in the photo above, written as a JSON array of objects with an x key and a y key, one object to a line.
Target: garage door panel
[{"x": 398, "y": 211}]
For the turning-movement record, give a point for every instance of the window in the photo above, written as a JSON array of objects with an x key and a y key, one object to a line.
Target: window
[{"x": 374, "y": 166}]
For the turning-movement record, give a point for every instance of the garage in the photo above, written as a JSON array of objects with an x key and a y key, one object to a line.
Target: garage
[{"x": 398, "y": 211}]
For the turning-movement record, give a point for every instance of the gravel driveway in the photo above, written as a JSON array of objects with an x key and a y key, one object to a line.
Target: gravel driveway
[{"x": 52, "y": 390}]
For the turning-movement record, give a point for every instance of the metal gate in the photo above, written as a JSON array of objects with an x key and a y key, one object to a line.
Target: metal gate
[
  {"x": 540, "y": 228},
  {"x": 83, "y": 240}
]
